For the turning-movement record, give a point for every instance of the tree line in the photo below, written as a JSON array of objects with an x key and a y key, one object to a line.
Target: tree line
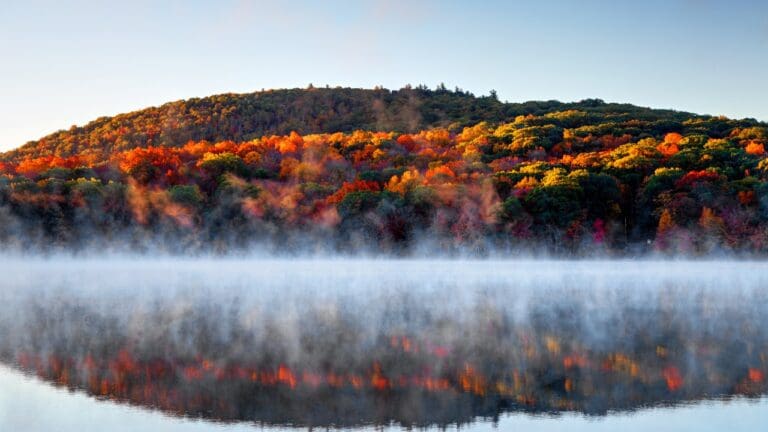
[{"x": 482, "y": 176}]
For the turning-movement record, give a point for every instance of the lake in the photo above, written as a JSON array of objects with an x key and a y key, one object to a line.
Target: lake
[{"x": 243, "y": 343}]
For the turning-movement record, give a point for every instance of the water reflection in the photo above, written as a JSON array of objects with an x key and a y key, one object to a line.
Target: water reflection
[
  {"x": 26, "y": 404},
  {"x": 309, "y": 344}
]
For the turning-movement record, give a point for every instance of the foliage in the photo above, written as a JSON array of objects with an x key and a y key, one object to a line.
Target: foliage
[{"x": 334, "y": 166}]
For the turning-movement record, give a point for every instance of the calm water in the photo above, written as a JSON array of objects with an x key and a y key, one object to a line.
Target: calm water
[
  {"x": 27, "y": 404},
  {"x": 364, "y": 344}
]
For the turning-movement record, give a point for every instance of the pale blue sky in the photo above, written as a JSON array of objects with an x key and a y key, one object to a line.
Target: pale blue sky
[{"x": 68, "y": 62}]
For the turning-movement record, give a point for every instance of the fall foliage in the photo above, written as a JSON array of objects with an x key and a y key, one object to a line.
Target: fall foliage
[{"x": 564, "y": 177}]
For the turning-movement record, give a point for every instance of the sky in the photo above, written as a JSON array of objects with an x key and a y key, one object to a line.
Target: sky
[{"x": 69, "y": 62}]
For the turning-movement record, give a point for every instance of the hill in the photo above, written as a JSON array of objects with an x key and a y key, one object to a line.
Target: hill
[
  {"x": 407, "y": 171},
  {"x": 242, "y": 117}
]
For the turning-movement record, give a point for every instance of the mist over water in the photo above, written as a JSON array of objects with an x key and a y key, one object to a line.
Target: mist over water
[{"x": 354, "y": 342}]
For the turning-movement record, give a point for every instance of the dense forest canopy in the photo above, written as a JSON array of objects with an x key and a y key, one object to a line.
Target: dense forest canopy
[
  {"x": 243, "y": 117},
  {"x": 406, "y": 170}
]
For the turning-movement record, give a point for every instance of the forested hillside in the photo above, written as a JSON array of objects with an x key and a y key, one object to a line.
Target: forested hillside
[
  {"x": 243, "y": 117},
  {"x": 407, "y": 171}
]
